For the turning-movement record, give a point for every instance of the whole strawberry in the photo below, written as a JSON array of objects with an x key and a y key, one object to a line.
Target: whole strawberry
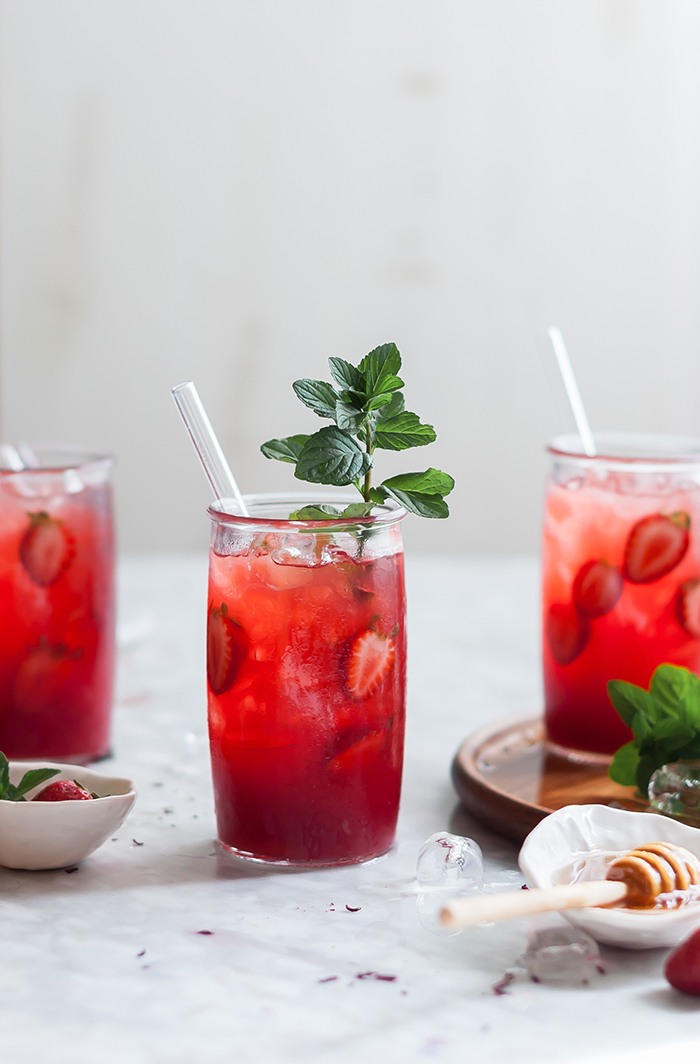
[
  {"x": 682, "y": 968},
  {"x": 63, "y": 791}
]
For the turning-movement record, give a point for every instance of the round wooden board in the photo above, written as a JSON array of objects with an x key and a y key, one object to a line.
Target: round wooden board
[{"x": 507, "y": 778}]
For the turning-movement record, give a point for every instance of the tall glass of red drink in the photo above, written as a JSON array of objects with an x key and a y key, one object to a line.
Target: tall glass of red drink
[
  {"x": 56, "y": 607},
  {"x": 621, "y": 577},
  {"x": 306, "y": 670}
]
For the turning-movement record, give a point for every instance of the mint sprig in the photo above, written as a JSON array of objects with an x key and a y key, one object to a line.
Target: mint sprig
[
  {"x": 665, "y": 722},
  {"x": 15, "y": 793},
  {"x": 367, "y": 407}
]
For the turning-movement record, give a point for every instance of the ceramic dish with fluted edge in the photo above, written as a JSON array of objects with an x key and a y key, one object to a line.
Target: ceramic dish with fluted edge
[
  {"x": 578, "y": 831},
  {"x": 45, "y": 835}
]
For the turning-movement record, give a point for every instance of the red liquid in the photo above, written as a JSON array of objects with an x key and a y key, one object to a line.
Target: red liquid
[
  {"x": 56, "y": 641},
  {"x": 593, "y": 521},
  {"x": 303, "y": 772}
]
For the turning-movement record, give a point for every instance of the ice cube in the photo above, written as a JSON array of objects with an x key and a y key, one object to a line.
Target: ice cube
[
  {"x": 447, "y": 860},
  {"x": 449, "y": 866},
  {"x": 299, "y": 551},
  {"x": 675, "y": 789},
  {"x": 557, "y": 952}
]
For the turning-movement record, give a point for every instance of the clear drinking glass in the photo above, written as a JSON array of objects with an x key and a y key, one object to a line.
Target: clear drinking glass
[
  {"x": 56, "y": 607},
  {"x": 306, "y": 669},
  {"x": 621, "y": 577}
]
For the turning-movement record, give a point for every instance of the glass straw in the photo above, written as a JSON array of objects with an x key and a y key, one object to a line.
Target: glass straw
[
  {"x": 206, "y": 445},
  {"x": 10, "y": 459},
  {"x": 558, "y": 371}
]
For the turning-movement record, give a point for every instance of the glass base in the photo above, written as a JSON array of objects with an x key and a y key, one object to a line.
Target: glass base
[
  {"x": 577, "y": 757},
  {"x": 275, "y": 862},
  {"x": 72, "y": 759}
]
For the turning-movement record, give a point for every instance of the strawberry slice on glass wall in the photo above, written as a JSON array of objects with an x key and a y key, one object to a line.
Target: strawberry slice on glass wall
[
  {"x": 47, "y": 548},
  {"x": 655, "y": 546},
  {"x": 597, "y": 587}
]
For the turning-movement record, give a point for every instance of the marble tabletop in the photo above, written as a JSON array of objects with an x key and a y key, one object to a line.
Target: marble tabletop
[{"x": 111, "y": 963}]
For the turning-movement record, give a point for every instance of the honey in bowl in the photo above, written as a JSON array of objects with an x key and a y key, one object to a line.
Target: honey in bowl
[{"x": 658, "y": 875}]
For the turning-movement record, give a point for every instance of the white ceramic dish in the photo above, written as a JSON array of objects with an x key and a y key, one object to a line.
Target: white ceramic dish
[
  {"x": 43, "y": 835},
  {"x": 579, "y": 830}
]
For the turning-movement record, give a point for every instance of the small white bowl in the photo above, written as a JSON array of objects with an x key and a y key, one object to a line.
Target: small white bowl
[
  {"x": 43, "y": 835},
  {"x": 579, "y": 830}
]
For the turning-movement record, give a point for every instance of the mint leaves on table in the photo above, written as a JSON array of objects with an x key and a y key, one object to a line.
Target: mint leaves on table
[
  {"x": 366, "y": 405},
  {"x": 11, "y": 793},
  {"x": 665, "y": 721}
]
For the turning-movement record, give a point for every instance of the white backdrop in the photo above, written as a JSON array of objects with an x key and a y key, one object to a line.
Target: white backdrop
[{"x": 233, "y": 190}]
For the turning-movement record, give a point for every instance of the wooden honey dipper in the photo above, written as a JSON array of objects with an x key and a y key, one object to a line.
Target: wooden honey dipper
[{"x": 638, "y": 878}]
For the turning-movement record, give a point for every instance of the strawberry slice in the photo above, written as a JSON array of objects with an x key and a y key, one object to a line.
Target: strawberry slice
[
  {"x": 227, "y": 649},
  {"x": 688, "y": 607},
  {"x": 369, "y": 661},
  {"x": 597, "y": 587},
  {"x": 63, "y": 791},
  {"x": 655, "y": 546},
  {"x": 567, "y": 632},
  {"x": 47, "y": 548}
]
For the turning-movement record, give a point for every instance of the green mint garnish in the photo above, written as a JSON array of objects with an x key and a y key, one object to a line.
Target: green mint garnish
[
  {"x": 11, "y": 793},
  {"x": 367, "y": 406},
  {"x": 665, "y": 721}
]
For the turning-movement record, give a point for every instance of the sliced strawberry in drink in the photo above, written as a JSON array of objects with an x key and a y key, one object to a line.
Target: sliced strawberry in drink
[
  {"x": 688, "y": 607},
  {"x": 227, "y": 649},
  {"x": 47, "y": 548},
  {"x": 63, "y": 791},
  {"x": 44, "y": 676},
  {"x": 597, "y": 587},
  {"x": 655, "y": 546},
  {"x": 369, "y": 661},
  {"x": 360, "y": 756},
  {"x": 567, "y": 632}
]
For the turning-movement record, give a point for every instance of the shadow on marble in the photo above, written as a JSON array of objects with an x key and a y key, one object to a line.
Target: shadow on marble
[
  {"x": 134, "y": 869},
  {"x": 669, "y": 1000}
]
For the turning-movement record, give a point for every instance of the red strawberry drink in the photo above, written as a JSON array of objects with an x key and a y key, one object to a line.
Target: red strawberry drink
[
  {"x": 56, "y": 608},
  {"x": 621, "y": 577},
  {"x": 306, "y": 660}
]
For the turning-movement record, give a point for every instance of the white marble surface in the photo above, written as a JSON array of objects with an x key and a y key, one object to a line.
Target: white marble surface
[{"x": 106, "y": 963}]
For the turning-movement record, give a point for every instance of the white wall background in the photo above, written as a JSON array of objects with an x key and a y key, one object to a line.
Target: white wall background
[{"x": 232, "y": 190}]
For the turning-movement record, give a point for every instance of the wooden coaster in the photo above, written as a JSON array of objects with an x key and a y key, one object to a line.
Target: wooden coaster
[{"x": 507, "y": 778}]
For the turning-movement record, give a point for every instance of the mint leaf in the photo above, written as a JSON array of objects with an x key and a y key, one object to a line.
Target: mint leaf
[
  {"x": 629, "y": 699},
  {"x": 320, "y": 396},
  {"x": 420, "y": 493},
  {"x": 665, "y": 722},
  {"x": 403, "y": 431},
  {"x": 4, "y": 775},
  {"x": 31, "y": 779},
  {"x": 669, "y": 686},
  {"x": 332, "y": 456},
  {"x": 347, "y": 376},
  {"x": 380, "y": 368},
  {"x": 393, "y": 408},
  {"x": 623, "y": 768},
  {"x": 378, "y": 401},
  {"x": 348, "y": 415},
  {"x": 284, "y": 450},
  {"x": 358, "y": 509},
  {"x": 314, "y": 513},
  {"x": 431, "y": 481},
  {"x": 414, "y": 501}
]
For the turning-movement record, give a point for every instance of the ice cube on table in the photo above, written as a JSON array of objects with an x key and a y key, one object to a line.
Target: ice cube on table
[
  {"x": 560, "y": 953},
  {"x": 449, "y": 866},
  {"x": 675, "y": 789}
]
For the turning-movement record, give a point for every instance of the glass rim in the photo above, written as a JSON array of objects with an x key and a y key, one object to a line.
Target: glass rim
[
  {"x": 620, "y": 451},
  {"x": 389, "y": 512},
  {"x": 59, "y": 459}
]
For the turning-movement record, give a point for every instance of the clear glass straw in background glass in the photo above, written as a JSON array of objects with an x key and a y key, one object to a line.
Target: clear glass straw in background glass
[
  {"x": 558, "y": 371},
  {"x": 206, "y": 445},
  {"x": 10, "y": 459}
]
